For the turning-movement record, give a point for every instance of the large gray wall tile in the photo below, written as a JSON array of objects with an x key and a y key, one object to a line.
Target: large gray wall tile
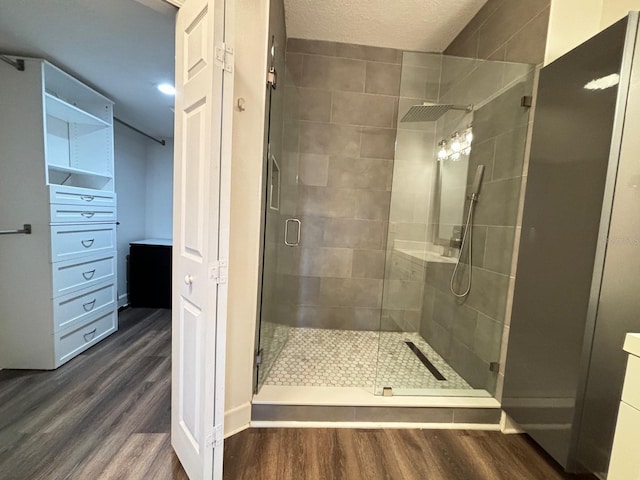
[
  {"x": 351, "y": 292},
  {"x": 372, "y": 204},
  {"x": 326, "y": 262},
  {"x": 312, "y": 230},
  {"x": 506, "y": 22},
  {"x": 500, "y": 23},
  {"x": 488, "y": 337},
  {"x": 339, "y": 318},
  {"x": 313, "y": 169},
  {"x": 311, "y": 46},
  {"x": 528, "y": 45},
  {"x": 362, "y": 109},
  {"x": 347, "y": 75},
  {"x": 374, "y": 54},
  {"x": 368, "y": 264},
  {"x": 329, "y": 139},
  {"x": 419, "y": 59},
  {"x": 499, "y": 248},
  {"x": 383, "y": 79},
  {"x": 293, "y": 75},
  {"x": 482, "y": 153},
  {"x": 315, "y": 71},
  {"x": 314, "y": 105},
  {"x": 498, "y": 203},
  {"x": 489, "y": 293},
  {"x": 350, "y": 233},
  {"x": 366, "y": 173},
  {"x": 378, "y": 143},
  {"x": 327, "y": 202},
  {"x": 509, "y": 156}
]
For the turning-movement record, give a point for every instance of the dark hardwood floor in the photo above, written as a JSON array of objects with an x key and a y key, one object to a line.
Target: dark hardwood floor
[
  {"x": 349, "y": 454},
  {"x": 103, "y": 415},
  {"x": 106, "y": 415}
]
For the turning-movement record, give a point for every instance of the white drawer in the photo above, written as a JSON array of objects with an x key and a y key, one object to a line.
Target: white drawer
[
  {"x": 70, "y": 241},
  {"x": 82, "y": 214},
  {"x": 80, "y": 196},
  {"x": 625, "y": 462},
  {"x": 71, "y": 342},
  {"x": 631, "y": 390},
  {"x": 72, "y": 275},
  {"x": 71, "y": 309}
]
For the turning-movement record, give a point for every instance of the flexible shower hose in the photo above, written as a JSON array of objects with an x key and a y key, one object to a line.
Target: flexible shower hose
[{"x": 468, "y": 233}]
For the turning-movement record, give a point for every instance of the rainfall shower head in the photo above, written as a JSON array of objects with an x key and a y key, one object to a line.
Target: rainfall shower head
[{"x": 430, "y": 112}]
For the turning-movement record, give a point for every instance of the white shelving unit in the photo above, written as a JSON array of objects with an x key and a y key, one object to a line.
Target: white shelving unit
[{"x": 58, "y": 284}]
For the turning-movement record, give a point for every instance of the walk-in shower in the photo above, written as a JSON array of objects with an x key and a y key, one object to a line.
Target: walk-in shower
[{"x": 371, "y": 160}]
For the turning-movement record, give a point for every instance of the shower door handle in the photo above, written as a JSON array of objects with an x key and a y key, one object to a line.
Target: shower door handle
[{"x": 286, "y": 232}]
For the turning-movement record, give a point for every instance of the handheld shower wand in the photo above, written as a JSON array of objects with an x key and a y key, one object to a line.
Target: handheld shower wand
[
  {"x": 477, "y": 182},
  {"x": 468, "y": 235}
]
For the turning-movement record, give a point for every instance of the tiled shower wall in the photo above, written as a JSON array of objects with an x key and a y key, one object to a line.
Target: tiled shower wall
[
  {"x": 505, "y": 30},
  {"x": 345, "y": 144}
]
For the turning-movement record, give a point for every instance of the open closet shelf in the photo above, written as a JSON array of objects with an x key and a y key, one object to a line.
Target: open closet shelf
[
  {"x": 77, "y": 171},
  {"x": 69, "y": 113}
]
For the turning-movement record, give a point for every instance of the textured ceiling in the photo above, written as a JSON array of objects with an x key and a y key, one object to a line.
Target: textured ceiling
[
  {"x": 123, "y": 48},
  {"x": 420, "y": 25}
]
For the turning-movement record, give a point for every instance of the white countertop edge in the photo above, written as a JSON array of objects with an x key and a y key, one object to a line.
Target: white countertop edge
[
  {"x": 632, "y": 344},
  {"x": 165, "y": 242}
]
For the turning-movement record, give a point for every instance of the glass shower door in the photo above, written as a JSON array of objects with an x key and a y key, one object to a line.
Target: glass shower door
[{"x": 282, "y": 230}]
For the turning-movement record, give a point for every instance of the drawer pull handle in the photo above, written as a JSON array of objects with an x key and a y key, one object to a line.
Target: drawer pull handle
[
  {"x": 87, "y": 198},
  {"x": 89, "y": 275},
  {"x": 89, "y": 335},
  {"x": 89, "y": 305},
  {"x": 87, "y": 243},
  {"x": 88, "y": 214}
]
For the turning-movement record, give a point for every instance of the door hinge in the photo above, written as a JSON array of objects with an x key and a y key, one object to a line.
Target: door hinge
[
  {"x": 216, "y": 438},
  {"x": 272, "y": 78},
  {"x": 494, "y": 367},
  {"x": 259, "y": 357},
  {"x": 224, "y": 57},
  {"x": 218, "y": 271}
]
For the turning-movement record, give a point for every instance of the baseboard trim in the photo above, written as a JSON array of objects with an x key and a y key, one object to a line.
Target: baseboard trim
[
  {"x": 377, "y": 425},
  {"x": 508, "y": 426},
  {"x": 237, "y": 419}
]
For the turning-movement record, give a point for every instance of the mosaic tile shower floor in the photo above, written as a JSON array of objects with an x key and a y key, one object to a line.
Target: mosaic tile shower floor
[{"x": 349, "y": 358}]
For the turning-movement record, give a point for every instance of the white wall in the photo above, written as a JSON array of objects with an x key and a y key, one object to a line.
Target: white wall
[
  {"x": 571, "y": 22},
  {"x": 130, "y": 178},
  {"x": 251, "y": 24},
  {"x": 144, "y": 185},
  {"x": 159, "y": 190},
  {"x": 614, "y": 10}
]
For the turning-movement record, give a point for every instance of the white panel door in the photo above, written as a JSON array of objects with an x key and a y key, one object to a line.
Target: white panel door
[{"x": 201, "y": 218}]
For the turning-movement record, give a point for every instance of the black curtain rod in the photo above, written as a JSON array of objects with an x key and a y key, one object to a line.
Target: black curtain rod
[
  {"x": 17, "y": 64},
  {"x": 161, "y": 142}
]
